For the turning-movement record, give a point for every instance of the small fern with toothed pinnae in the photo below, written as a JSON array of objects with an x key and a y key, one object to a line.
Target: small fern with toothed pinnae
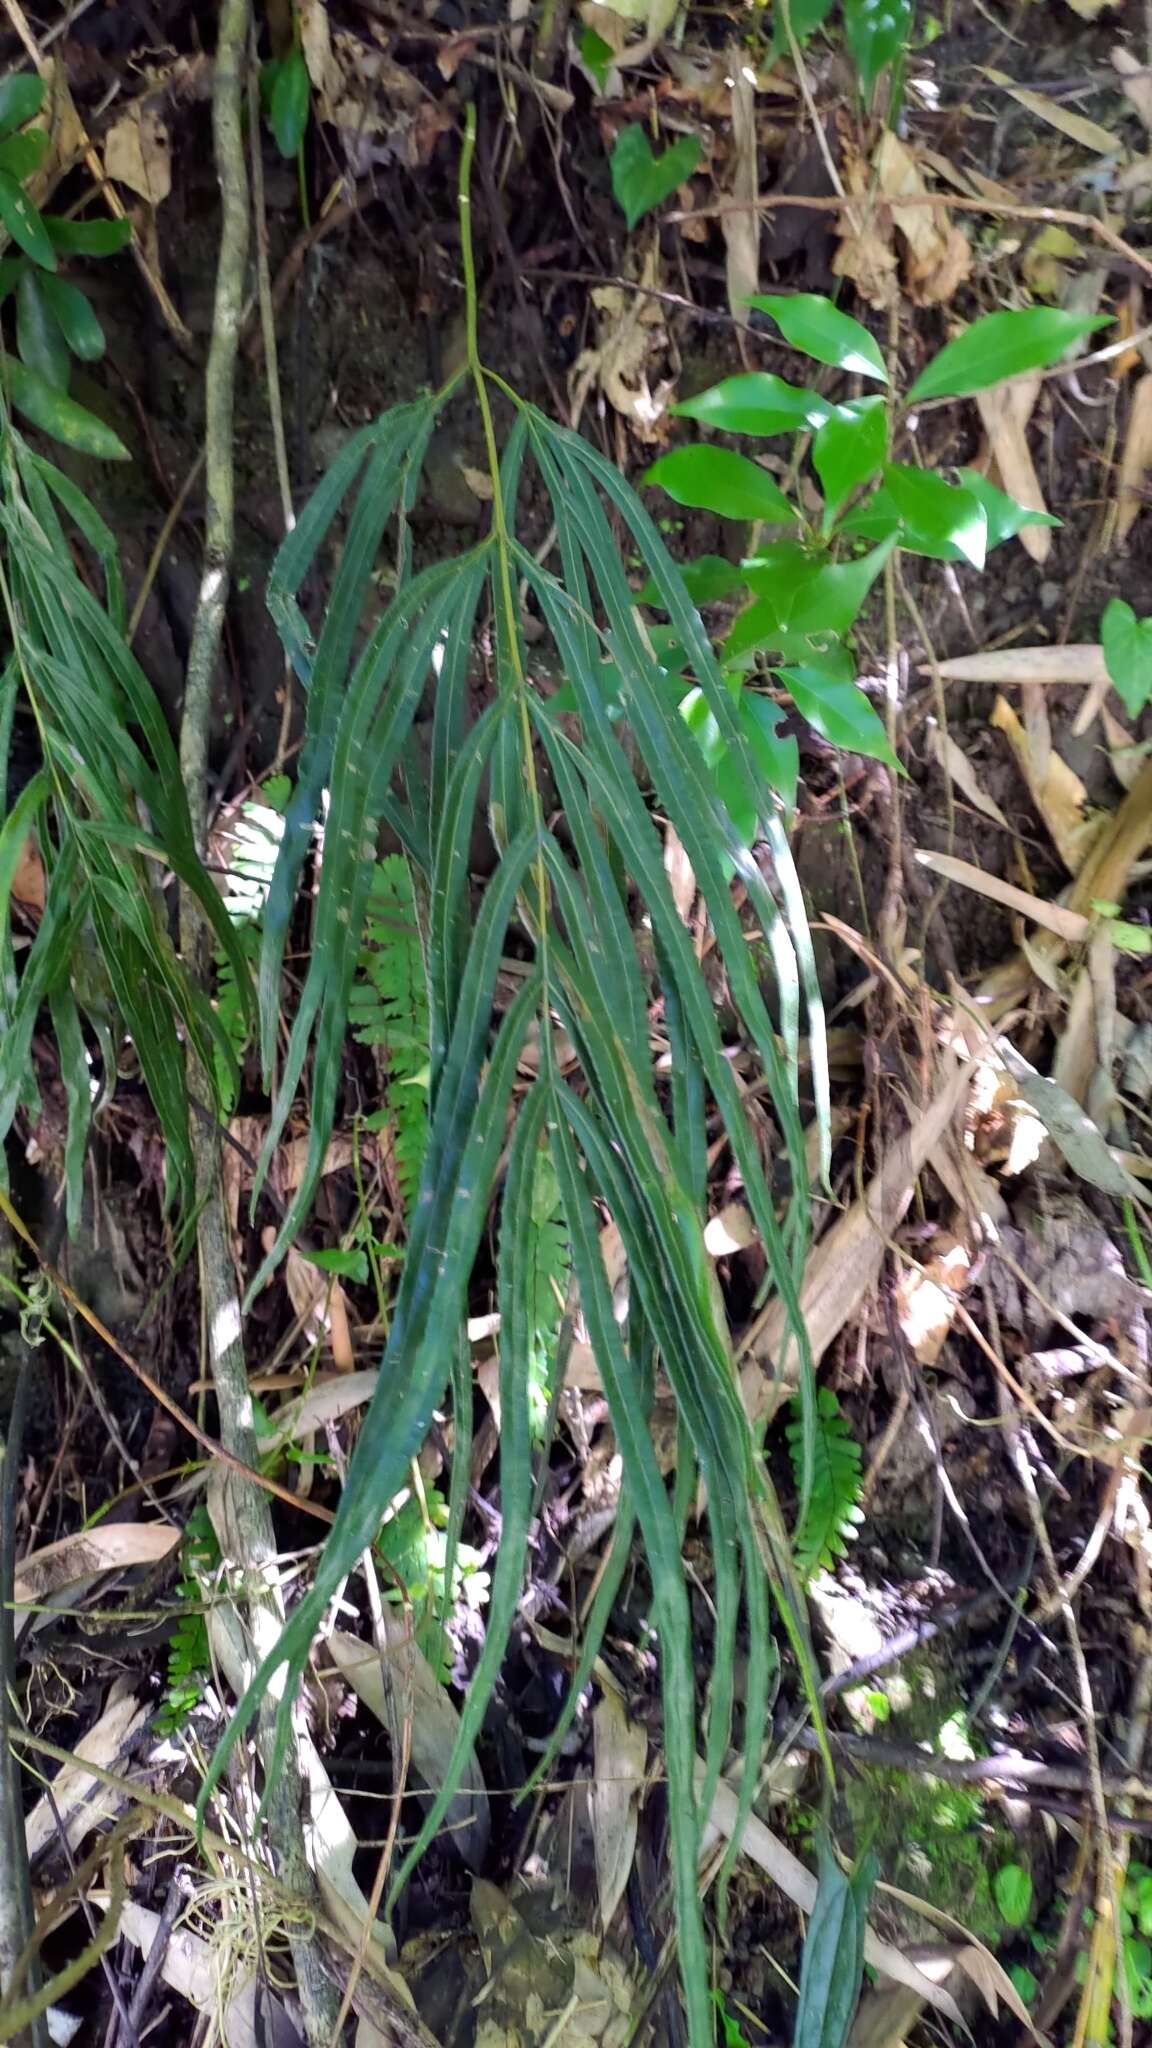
[
  {"x": 834, "y": 1513},
  {"x": 388, "y": 1009}
]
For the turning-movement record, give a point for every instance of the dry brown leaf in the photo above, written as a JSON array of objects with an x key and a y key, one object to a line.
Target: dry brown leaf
[
  {"x": 679, "y": 871},
  {"x": 926, "y": 1297},
  {"x": 72, "y": 1565},
  {"x": 192, "y": 1968},
  {"x": 845, "y": 1266},
  {"x": 1005, "y": 411},
  {"x": 797, "y": 1883},
  {"x": 630, "y": 333},
  {"x": 938, "y": 255},
  {"x": 28, "y": 880},
  {"x": 1125, "y": 753},
  {"x": 1135, "y": 461},
  {"x": 959, "y": 769},
  {"x": 138, "y": 153},
  {"x": 319, "y": 1300},
  {"x": 978, "y": 1962},
  {"x": 1010, "y": 666},
  {"x": 1057, "y": 791},
  {"x": 435, "y": 1724},
  {"x": 326, "y": 1401},
  {"x": 742, "y": 229},
  {"x": 731, "y": 1231},
  {"x": 324, "y": 70},
  {"x": 1054, "y": 917},
  {"x": 865, "y": 253},
  {"x": 1136, "y": 80},
  {"x": 78, "y": 1800},
  {"x": 1089, "y": 134},
  {"x": 620, "y": 1755}
]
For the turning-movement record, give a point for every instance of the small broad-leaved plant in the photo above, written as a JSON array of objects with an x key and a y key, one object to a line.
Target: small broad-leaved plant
[
  {"x": 54, "y": 318},
  {"x": 808, "y": 578}
]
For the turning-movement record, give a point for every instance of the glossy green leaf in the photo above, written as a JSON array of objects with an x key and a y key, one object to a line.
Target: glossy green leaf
[
  {"x": 22, "y": 155},
  {"x": 718, "y": 480},
  {"x": 11, "y": 271},
  {"x": 42, "y": 346},
  {"x": 56, "y": 414},
  {"x": 1002, "y": 345},
  {"x": 597, "y": 56},
  {"x": 820, "y": 330},
  {"x": 24, "y": 223},
  {"x": 936, "y": 516},
  {"x": 21, "y": 98},
  {"x": 839, "y": 711},
  {"x": 72, "y": 310},
  {"x": 641, "y": 180},
  {"x": 289, "y": 102},
  {"x": 849, "y": 449},
  {"x": 707, "y": 579},
  {"x": 833, "y": 1962},
  {"x": 802, "y": 17},
  {"x": 875, "y": 30},
  {"x": 1012, "y": 1891},
  {"x": 1127, "y": 644},
  {"x": 88, "y": 237},
  {"x": 775, "y": 753},
  {"x": 1005, "y": 516},
  {"x": 756, "y": 403},
  {"x": 831, "y": 600}
]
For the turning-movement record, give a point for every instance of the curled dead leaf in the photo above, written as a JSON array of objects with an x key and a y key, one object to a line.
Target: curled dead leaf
[
  {"x": 1136, "y": 460},
  {"x": 138, "y": 153},
  {"x": 620, "y": 1755},
  {"x": 1005, "y": 411}
]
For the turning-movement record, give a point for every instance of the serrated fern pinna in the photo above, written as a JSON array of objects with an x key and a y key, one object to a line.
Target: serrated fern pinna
[
  {"x": 833, "y": 1512},
  {"x": 556, "y": 1055}
]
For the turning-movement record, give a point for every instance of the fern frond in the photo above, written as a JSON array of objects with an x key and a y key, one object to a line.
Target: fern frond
[
  {"x": 834, "y": 1512},
  {"x": 388, "y": 1010}
]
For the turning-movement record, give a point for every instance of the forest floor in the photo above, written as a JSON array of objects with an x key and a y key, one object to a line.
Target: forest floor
[{"x": 978, "y": 1294}]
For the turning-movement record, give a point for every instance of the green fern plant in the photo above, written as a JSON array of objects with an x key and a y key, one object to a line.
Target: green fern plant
[
  {"x": 189, "y": 1657},
  {"x": 388, "y": 1010},
  {"x": 564, "y": 907},
  {"x": 833, "y": 1514}
]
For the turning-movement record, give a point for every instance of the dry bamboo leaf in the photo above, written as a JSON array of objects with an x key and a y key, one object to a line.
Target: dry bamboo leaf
[
  {"x": 1011, "y": 666},
  {"x": 435, "y": 1725},
  {"x": 192, "y": 1968},
  {"x": 938, "y": 256},
  {"x": 845, "y": 1265},
  {"x": 1057, "y": 791},
  {"x": 742, "y": 228},
  {"x": 1068, "y": 925},
  {"x": 1089, "y": 134},
  {"x": 886, "y": 2016},
  {"x": 1125, "y": 753},
  {"x": 319, "y": 1300},
  {"x": 978, "y": 1962},
  {"x": 620, "y": 1756},
  {"x": 327, "y": 1400},
  {"x": 798, "y": 1884},
  {"x": 28, "y": 880},
  {"x": 71, "y": 1565},
  {"x": 731, "y": 1231},
  {"x": 1072, "y": 1131},
  {"x": 1134, "y": 77},
  {"x": 1005, "y": 411},
  {"x": 678, "y": 869},
  {"x": 1135, "y": 461},
  {"x": 959, "y": 769},
  {"x": 138, "y": 153},
  {"x": 78, "y": 1800},
  {"x": 630, "y": 332}
]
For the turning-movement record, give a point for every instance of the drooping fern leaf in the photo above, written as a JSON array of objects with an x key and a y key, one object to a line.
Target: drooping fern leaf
[
  {"x": 834, "y": 1512},
  {"x": 189, "y": 1657},
  {"x": 249, "y": 847},
  {"x": 388, "y": 1010}
]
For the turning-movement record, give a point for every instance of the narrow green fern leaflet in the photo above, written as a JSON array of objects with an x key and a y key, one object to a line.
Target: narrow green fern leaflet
[{"x": 833, "y": 1514}]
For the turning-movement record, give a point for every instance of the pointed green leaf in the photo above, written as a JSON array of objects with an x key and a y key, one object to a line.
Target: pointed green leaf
[
  {"x": 936, "y": 516},
  {"x": 21, "y": 98},
  {"x": 831, "y": 600},
  {"x": 640, "y": 180},
  {"x": 1012, "y": 1891},
  {"x": 875, "y": 30},
  {"x": 24, "y": 224},
  {"x": 1128, "y": 653},
  {"x": 849, "y": 448},
  {"x": 56, "y": 414},
  {"x": 88, "y": 237},
  {"x": 42, "y": 346},
  {"x": 1004, "y": 515},
  {"x": 1002, "y": 345},
  {"x": 22, "y": 155},
  {"x": 820, "y": 330},
  {"x": 756, "y": 403},
  {"x": 707, "y": 579},
  {"x": 718, "y": 480},
  {"x": 776, "y": 754},
  {"x": 72, "y": 310},
  {"x": 839, "y": 711},
  {"x": 289, "y": 103}
]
